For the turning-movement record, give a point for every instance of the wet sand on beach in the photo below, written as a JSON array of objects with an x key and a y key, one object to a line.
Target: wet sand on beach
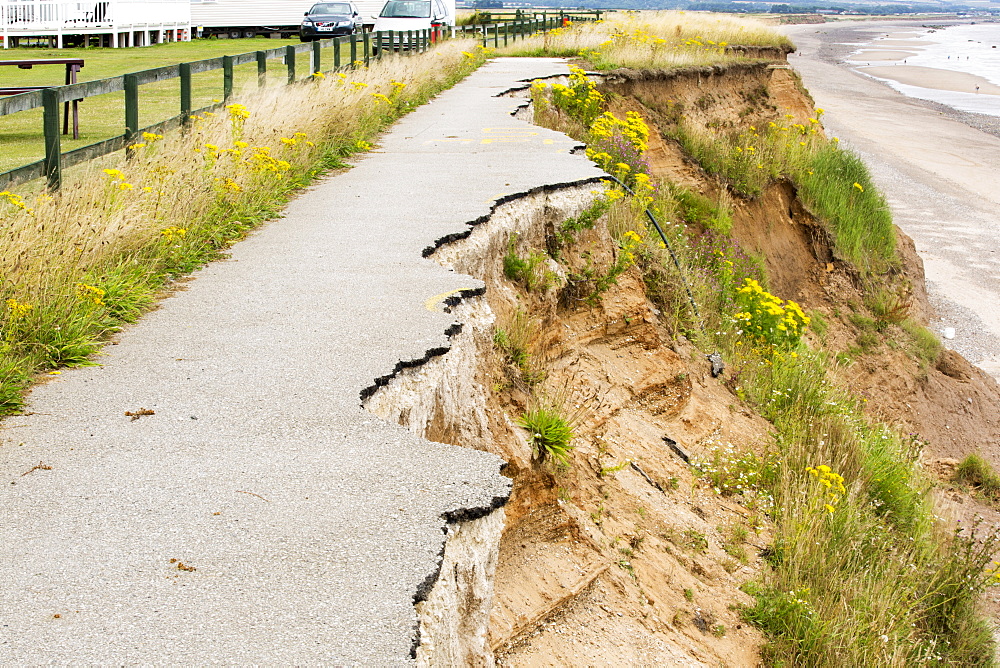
[
  {"x": 905, "y": 43},
  {"x": 882, "y": 55},
  {"x": 932, "y": 77}
]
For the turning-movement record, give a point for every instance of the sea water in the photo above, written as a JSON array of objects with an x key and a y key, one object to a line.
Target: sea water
[{"x": 973, "y": 49}]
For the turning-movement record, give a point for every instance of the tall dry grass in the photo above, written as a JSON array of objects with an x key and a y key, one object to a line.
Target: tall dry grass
[
  {"x": 79, "y": 263},
  {"x": 654, "y": 40}
]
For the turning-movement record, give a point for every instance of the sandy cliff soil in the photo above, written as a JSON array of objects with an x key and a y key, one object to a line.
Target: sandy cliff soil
[{"x": 626, "y": 557}]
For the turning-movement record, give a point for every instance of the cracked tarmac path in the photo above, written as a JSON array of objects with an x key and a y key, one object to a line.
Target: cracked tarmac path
[{"x": 259, "y": 515}]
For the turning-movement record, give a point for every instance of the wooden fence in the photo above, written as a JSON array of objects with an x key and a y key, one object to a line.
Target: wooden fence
[
  {"x": 501, "y": 15},
  {"x": 347, "y": 53}
]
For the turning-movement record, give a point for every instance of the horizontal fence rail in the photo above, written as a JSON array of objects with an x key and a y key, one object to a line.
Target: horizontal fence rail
[
  {"x": 347, "y": 53},
  {"x": 499, "y": 15}
]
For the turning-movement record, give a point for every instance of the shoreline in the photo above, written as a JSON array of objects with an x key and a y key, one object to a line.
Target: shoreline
[
  {"x": 936, "y": 165},
  {"x": 862, "y": 35},
  {"x": 933, "y": 78}
]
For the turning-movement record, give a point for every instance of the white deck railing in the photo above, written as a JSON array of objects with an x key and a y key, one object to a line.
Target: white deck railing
[{"x": 27, "y": 16}]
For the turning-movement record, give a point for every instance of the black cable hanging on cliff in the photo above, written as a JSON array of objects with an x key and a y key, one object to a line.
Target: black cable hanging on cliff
[
  {"x": 663, "y": 237},
  {"x": 715, "y": 358}
]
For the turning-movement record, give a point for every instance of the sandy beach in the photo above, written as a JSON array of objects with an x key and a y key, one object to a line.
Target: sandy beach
[
  {"x": 938, "y": 167},
  {"x": 932, "y": 77},
  {"x": 882, "y": 55},
  {"x": 909, "y": 42}
]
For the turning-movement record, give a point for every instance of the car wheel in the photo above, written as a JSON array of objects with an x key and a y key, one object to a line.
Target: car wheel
[
  {"x": 249, "y": 34},
  {"x": 235, "y": 34},
  {"x": 303, "y": 38}
]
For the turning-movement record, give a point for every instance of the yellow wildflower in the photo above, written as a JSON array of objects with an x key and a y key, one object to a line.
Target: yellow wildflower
[
  {"x": 18, "y": 310},
  {"x": 90, "y": 293},
  {"x": 237, "y": 111},
  {"x": 173, "y": 233}
]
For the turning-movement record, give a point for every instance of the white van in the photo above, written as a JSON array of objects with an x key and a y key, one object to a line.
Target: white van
[{"x": 403, "y": 15}]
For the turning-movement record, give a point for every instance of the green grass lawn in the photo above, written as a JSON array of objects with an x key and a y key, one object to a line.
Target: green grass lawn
[{"x": 102, "y": 117}]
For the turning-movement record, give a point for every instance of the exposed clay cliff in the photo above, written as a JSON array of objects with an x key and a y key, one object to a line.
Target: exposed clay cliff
[{"x": 627, "y": 556}]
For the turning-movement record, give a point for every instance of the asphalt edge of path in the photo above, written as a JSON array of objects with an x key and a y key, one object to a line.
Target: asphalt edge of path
[
  {"x": 497, "y": 203},
  {"x": 467, "y": 513}
]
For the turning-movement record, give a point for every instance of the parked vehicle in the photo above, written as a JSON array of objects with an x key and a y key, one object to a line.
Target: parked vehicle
[
  {"x": 248, "y": 18},
  {"x": 406, "y": 15},
  {"x": 329, "y": 19}
]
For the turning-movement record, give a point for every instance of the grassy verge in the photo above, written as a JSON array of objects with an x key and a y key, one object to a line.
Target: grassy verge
[
  {"x": 653, "y": 40},
  {"x": 860, "y": 571},
  {"x": 78, "y": 265}
]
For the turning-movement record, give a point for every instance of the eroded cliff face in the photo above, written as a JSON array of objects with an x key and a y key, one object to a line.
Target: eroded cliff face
[
  {"x": 951, "y": 404},
  {"x": 626, "y": 557}
]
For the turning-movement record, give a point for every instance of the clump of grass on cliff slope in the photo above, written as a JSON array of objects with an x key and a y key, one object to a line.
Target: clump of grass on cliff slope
[
  {"x": 860, "y": 571},
  {"x": 833, "y": 183},
  {"x": 861, "y": 575},
  {"x": 78, "y": 264},
  {"x": 653, "y": 40}
]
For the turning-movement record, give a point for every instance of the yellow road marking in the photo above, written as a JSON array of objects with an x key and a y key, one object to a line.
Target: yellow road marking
[
  {"x": 522, "y": 132},
  {"x": 504, "y": 140},
  {"x": 434, "y": 303}
]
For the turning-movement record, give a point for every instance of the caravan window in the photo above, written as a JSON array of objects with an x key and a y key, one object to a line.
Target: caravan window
[{"x": 407, "y": 9}]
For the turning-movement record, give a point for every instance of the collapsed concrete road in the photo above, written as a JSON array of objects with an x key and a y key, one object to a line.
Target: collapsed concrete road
[{"x": 249, "y": 510}]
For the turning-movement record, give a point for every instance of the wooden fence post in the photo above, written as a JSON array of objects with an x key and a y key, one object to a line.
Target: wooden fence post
[
  {"x": 336, "y": 53},
  {"x": 368, "y": 49},
  {"x": 53, "y": 148},
  {"x": 185, "y": 72},
  {"x": 227, "y": 77},
  {"x": 261, "y": 69},
  {"x": 290, "y": 62},
  {"x": 354, "y": 50},
  {"x": 131, "y": 107},
  {"x": 316, "y": 62}
]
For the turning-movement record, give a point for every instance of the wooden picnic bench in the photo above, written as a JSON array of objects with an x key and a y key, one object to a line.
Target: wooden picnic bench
[{"x": 73, "y": 65}]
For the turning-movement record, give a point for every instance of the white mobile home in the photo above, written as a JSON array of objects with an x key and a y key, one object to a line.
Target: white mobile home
[
  {"x": 246, "y": 18},
  {"x": 114, "y": 22}
]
